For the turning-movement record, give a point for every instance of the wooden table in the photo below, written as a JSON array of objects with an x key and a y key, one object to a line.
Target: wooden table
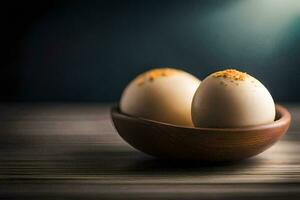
[{"x": 71, "y": 151}]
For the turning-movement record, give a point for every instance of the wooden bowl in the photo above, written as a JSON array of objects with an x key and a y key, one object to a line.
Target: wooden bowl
[{"x": 206, "y": 144}]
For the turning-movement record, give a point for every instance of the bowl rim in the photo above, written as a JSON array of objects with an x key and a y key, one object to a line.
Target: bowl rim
[{"x": 282, "y": 113}]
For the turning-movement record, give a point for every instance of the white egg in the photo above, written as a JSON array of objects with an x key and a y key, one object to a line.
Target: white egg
[
  {"x": 230, "y": 99},
  {"x": 163, "y": 95}
]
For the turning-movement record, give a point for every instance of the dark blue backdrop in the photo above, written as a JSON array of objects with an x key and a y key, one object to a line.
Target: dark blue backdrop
[{"x": 89, "y": 50}]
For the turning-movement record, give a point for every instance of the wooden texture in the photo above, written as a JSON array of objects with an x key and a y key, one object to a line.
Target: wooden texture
[
  {"x": 202, "y": 144},
  {"x": 73, "y": 152}
]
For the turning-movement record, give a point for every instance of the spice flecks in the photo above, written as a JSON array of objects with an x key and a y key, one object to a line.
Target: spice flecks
[
  {"x": 231, "y": 74},
  {"x": 151, "y": 75}
]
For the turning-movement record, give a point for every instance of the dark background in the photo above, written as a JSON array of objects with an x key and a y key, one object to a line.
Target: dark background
[{"x": 89, "y": 50}]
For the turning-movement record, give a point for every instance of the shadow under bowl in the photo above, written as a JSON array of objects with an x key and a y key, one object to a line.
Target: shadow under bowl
[{"x": 170, "y": 141}]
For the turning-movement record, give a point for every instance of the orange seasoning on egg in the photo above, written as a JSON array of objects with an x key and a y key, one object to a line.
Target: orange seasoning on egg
[
  {"x": 151, "y": 75},
  {"x": 231, "y": 74}
]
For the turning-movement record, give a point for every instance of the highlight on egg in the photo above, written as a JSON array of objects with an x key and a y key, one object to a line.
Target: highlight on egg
[
  {"x": 163, "y": 94},
  {"x": 231, "y": 99}
]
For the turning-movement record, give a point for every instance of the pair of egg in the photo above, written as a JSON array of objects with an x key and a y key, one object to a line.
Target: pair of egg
[{"x": 224, "y": 99}]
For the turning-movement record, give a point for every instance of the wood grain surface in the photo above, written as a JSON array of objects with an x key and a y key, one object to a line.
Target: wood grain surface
[{"x": 71, "y": 151}]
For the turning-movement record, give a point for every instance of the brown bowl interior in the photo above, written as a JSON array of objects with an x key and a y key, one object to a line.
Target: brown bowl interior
[{"x": 206, "y": 144}]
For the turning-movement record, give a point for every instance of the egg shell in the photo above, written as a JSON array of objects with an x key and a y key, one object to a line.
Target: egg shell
[
  {"x": 163, "y": 95},
  {"x": 222, "y": 102}
]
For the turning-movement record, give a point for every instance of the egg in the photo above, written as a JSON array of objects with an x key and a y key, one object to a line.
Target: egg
[
  {"x": 231, "y": 99},
  {"x": 163, "y": 95}
]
